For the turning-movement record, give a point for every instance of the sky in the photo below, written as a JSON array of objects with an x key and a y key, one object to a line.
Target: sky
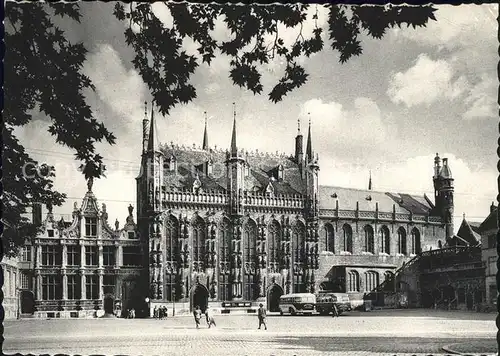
[{"x": 410, "y": 95}]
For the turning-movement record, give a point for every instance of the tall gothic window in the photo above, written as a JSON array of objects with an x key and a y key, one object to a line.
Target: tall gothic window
[
  {"x": 415, "y": 241},
  {"x": 274, "y": 242},
  {"x": 298, "y": 241},
  {"x": 250, "y": 246},
  {"x": 171, "y": 238},
  {"x": 352, "y": 281},
  {"x": 199, "y": 242},
  {"x": 347, "y": 231},
  {"x": 369, "y": 239},
  {"x": 371, "y": 281},
  {"x": 225, "y": 237},
  {"x": 329, "y": 238},
  {"x": 402, "y": 249},
  {"x": 385, "y": 240},
  {"x": 171, "y": 249}
]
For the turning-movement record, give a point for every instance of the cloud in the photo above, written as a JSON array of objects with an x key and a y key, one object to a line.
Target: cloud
[
  {"x": 481, "y": 99},
  {"x": 426, "y": 82},
  {"x": 361, "y": 126},
  {"x": 456, "y": 27},
  {"x": 122, "y": 90}
]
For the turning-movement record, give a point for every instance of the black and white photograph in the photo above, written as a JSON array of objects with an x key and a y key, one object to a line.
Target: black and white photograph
[{"x": 250, "y": 179}]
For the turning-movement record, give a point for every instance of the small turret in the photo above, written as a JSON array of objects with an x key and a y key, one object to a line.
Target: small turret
[
  {"x": 443, "y": 193},
  {"x": 145, "y": 127},
  {"x": 205, "y": 135},
  {"x": 299, "y": 146}
]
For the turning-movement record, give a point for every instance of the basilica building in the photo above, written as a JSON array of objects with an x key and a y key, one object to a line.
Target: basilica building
[{"x": 228, "y": 229}]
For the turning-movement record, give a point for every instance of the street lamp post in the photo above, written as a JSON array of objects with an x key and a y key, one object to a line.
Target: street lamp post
[
  {"x": 173, "y": 300},
  {"x": 149, "y": 306}
]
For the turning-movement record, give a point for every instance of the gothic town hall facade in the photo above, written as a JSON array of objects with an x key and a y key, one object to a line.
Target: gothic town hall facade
[{"x": 228, "y": 229}]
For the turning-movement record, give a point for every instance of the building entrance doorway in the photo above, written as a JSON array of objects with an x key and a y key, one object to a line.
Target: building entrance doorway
[
  {"x": 108, "y": 304},
  {"x": 199, "y": 297},
  {"x": 27, "y": 302},
  {"x": 273, "y": 298}
]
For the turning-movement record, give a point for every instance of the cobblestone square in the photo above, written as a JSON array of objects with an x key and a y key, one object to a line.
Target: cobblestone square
[{"x": 380, "y": 332}]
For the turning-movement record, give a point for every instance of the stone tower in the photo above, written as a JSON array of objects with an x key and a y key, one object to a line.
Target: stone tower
[{"x": 443, "y": 193}]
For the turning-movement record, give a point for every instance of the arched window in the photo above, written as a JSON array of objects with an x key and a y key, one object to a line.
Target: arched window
[
  {"x": 415, "y": 241},
  {"x": 369, "y": 239},
  {"x": 389, "y": 282},
  {"x": 329, "y": 238},
  {"x": 402, "y": 249},
  {"x": 353, "y": 281},
  {"x": 199, "y": 242},
  {"x": 225, "y": 236},
  {"x": 298, "y": 241},
  {"x": 171, "y": 251},
  {"x": 371, "y": 281},
  {"x": 347, "y": 230},
  {"x": 274, "y": 243},
  {"x": 385, "y": 240},
  {"x": 250, "y": 245}
]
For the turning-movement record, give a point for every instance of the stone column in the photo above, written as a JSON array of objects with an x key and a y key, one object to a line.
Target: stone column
[
  {"x": 38, "y": 286},
  {"x": 82, "y": 285},
  {"x": 64, "y": 259},
  {"x": 101, "y": 257},
  {"x": 119, "y": 258},
  {"x": 38, "y": 251},
  {"x": 101, "y": 288},
  {"x": 64, "y": 285},
  {"x": 82, "y": 255}
]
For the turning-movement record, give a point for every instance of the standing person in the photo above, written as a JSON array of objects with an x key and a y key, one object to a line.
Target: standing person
[
  {"x": 210, "y": 318},
  {"x": 262, "y": 316},
  {"x": 197, "y": 316},
  {"x": 155, "y": 312}
]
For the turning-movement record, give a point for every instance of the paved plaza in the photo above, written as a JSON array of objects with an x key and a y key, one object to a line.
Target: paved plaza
[{"x": 360, "y": 333}]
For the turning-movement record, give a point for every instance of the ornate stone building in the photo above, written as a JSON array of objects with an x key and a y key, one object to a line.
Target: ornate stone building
[
  {"x": 81, "y": 268},
  {"x": 229, "y": 229}
]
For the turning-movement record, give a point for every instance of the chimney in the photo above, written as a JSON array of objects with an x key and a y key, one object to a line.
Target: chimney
[{"x": 37, "y": 214}]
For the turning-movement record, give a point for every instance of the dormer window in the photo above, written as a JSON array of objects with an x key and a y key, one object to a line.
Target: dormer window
[
  {"x": 131, "y": 234},
  {"x": 247, "y": 170},
  {"x": 334, "y": 195},
  {"x": 91, "y": 227},
  {"x": 50, "y": 232},
  {"x": 210, "y": 166},
  {"x": 369, "y": 197},
  {"x": 173, "y": 163}
]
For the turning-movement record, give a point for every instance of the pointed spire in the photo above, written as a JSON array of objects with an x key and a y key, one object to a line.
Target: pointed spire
[
  {"x": 298, "y": 124},
  {"x": 309, "y": 153},
  {"x": 152, "y": 144},
  {"x": 234, "y": 148},
  {"x": 205, "y": 134},
  {"x": 370, "y": 181}
]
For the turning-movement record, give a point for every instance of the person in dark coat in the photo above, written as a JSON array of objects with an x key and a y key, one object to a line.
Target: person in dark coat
[
  {"x": 261, "y": 313},
  {"x": 197, "y": 316},
  {"x": 335, "y": 311}
]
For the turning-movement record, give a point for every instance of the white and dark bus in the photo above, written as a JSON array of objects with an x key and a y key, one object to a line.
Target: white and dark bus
[{"x": 297, "y": 303}]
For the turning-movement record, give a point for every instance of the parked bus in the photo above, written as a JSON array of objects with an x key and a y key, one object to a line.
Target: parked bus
[
  {"x": 297, "y": 303},
  {"x": 325, "y": 302}
]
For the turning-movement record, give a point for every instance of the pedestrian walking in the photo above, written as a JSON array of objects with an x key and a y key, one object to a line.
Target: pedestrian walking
[
  {"x": 335, "y": 311},
  {"x": 165, "y": 311},
  {"x": 262, "y": 316},
  {"x": 210, "y": 318},
  {"x": 197, "y": 316},
  {"x": 155, "y": 313}
]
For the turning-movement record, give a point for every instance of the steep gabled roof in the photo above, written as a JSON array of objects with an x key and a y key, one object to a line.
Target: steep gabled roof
[
  {"x": 491, "y": 221},
  {"x": 367, "y": 199},
  {"x": 467, "y": 233}
]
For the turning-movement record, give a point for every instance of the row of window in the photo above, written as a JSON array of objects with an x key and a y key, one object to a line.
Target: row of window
[
  {"x": 90, "y": 229},
  {"x": 369, "y": 240},
  {"x": 52, "y": 255},
  {"x": 371, "y": 279},
  {"x": 52, "y": 286}
]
